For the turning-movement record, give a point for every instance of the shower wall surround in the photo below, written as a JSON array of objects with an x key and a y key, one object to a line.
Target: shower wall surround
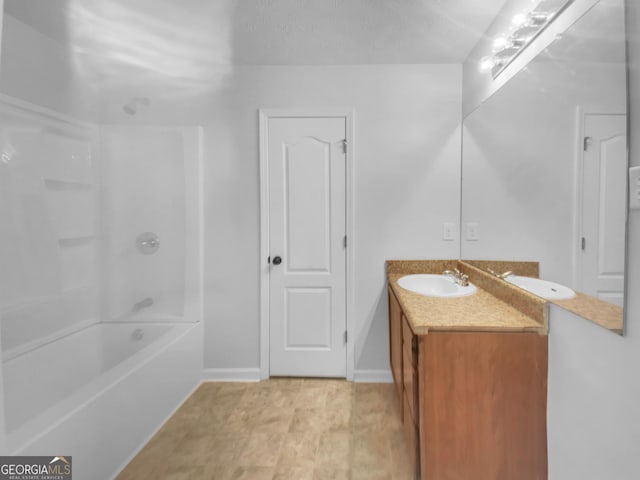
[
  {"x": 147, "y": 167},
  {"x": 49, "y": 208}
]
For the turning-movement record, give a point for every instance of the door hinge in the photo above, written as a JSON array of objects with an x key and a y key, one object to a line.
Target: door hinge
[
  {"x": 346, "y": 336},
  {"x": 583, "y": 243},
  {"x": 344, "y": 241},
  {"x": 344, "y": 146},
  {"x": 586, "y": 143}
]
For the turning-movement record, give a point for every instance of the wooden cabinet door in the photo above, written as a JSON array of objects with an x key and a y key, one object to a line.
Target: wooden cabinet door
[
  {"x": 483, "y": 406},
  {"x": 411, "y": 438},
  {"x": 411, "y": 409},
  {"x": 395, "y": 342},
  {"x": 409, "y": 372}
]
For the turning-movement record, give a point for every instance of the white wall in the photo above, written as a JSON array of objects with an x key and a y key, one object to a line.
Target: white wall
[
  {"x": 3, "y": 437},
  {"x": 594, "y": 387},
  {"x": 38, "y": 69},
  {"x": 1, "y": 21},
  {"x": 407, "y": 165},
  {"x": 89, "y": 75}
]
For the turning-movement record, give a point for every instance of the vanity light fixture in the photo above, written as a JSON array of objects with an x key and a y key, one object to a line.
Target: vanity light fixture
[{"x": 525, "y": 27}]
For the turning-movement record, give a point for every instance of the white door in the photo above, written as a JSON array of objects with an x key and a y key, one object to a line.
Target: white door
[
  {"x": 307, "y": 214},
  {"x": 604, "y": 195}
]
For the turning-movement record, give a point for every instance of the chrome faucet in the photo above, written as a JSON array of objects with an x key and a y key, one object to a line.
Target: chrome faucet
[
  {"x": 458, "y": 277},
  {"x": 500, "y": 275},
  {"x": 147, "y": 302}
]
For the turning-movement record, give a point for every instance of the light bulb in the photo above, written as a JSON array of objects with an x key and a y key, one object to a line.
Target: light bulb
[
  {"x": 499, "y": 43},
  {"x": 519, "y": 19},
  {"x": 486, "y": 64}
]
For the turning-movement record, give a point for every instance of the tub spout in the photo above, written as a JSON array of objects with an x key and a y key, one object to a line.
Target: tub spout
[{"x": 147, "y": 302}]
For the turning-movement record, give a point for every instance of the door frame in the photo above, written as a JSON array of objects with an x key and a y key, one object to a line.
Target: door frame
[
  {"x": 582, "y": 111},
  {"x": 266, "y": 114}
]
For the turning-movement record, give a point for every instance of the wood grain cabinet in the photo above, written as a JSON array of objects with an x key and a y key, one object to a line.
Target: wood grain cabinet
[
  {"x": 474, "y": 403},
  {"x": 395, "y": 342}
]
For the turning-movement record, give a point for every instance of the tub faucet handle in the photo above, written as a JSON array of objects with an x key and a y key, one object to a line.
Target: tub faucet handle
[{"x": 147, "y": 302}]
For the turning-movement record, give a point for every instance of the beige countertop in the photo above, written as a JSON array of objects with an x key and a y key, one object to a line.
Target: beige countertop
[
  {"x": 482, "y": 311},
  {"x": 598, "y": 311},
  {"x": 602, "y": 313}
]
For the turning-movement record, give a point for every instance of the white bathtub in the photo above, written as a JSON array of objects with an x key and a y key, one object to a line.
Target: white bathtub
[{"x": 99, "y": 394}]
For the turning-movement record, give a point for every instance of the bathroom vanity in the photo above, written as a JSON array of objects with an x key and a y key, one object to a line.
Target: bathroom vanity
[{"x": 471, "y": 376}]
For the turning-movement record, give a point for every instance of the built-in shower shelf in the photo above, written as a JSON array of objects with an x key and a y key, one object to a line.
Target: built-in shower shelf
[
  {"x": 56, "y": 185},
  {"x": 75, "y": 239},
  {"x": 76, "y": 291}
]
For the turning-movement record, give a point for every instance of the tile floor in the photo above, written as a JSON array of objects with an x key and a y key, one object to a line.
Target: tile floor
[{"x": 279, "y": 429}]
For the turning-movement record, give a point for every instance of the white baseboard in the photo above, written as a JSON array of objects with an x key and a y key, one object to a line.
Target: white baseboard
[
  {"x": 372, "y": 376},
  {"x": 253, "y": 375},
  {"x": 231, "y": 375}
]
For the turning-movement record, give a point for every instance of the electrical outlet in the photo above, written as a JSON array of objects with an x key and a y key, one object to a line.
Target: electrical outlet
[
  {"x": 448, "y": 229},
  {"x": 634, "y": 187},
  {"x": 472, "y": 232}
]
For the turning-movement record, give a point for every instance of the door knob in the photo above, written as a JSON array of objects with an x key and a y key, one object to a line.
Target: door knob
[
  {"x": 277, "y": 260},
  {"x": 148, "y": 243}
]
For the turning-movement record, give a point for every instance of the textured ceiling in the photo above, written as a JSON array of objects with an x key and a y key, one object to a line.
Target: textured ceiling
[{"x": 286, "y": 32}]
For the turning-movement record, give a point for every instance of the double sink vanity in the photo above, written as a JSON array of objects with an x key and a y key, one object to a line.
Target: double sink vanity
[{"x": 469, "y": 364}]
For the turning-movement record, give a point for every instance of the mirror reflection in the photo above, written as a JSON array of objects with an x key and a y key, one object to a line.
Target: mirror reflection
[{"x": 545, "y": 168}]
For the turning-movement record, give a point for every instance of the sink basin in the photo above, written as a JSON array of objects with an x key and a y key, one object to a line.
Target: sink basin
[
  {"x": 431, "y": 285},
  {"x": 542, "y": 288}
]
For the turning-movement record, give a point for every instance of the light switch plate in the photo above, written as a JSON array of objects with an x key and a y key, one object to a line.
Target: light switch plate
[
  {"x": 448, "y": 231},
  {"x": 634, "y": 187}
]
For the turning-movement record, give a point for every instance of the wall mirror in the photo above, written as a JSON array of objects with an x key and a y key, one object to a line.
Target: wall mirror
[{"x": 545, "y": 167}]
